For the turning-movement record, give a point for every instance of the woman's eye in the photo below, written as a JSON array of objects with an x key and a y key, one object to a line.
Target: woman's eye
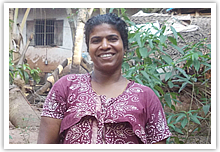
[
  {"x": 113, "y": 39},
  {"x": 95, "y": 41}
]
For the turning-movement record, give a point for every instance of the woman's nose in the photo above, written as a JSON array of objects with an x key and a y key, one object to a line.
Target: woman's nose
[{"x": 105, "y": 44}]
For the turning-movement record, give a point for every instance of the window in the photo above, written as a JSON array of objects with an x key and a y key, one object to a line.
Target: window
[{"x": 46, "y": 32}]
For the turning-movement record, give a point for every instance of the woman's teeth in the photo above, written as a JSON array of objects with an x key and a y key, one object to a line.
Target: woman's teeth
[{"x": 105, "y": 55}]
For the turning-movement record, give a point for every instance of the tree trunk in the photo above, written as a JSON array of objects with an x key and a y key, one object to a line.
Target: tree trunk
[
  {"x": 16, "y": 54},
  {"x": 102, "y": 10},
  {"x": 18, "y": 37},
  {"x": 72, "y": 22},
  {"x": 11, "y": 17},
  {"x": 20, "y": 112},
  {"x": 54, "y": 77},
  {"x": 21, "y": 59},
  {"x": 78, "y": 41}
]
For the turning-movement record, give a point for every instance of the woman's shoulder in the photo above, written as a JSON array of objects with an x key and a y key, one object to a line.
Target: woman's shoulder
[
  {"x": 73, "y": 77},
  {"x": 142, "y": 88},
  {"x": 69, "y": 81}
]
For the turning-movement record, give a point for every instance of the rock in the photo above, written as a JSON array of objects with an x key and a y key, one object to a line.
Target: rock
[{"x": 21, "y": 113}]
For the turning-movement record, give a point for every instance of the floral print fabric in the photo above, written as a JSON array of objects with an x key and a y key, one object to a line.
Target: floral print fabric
[{"x": 136, "y": 116}]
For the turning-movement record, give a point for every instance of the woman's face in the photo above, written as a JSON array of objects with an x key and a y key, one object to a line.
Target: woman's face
[{"x": 106, "y": 48}]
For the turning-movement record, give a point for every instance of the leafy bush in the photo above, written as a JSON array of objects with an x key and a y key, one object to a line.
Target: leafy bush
[
  {"x": 24, "y": 71},
  {"x": 148, "y": 63}
]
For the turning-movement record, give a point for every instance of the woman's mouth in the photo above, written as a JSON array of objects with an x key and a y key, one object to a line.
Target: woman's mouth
[{"x": 106, "y": 55}]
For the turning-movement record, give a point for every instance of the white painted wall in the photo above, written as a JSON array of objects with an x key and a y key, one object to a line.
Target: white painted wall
[
  {"x": 36, "y": 56},
  {"x": 55, "y": 55}
]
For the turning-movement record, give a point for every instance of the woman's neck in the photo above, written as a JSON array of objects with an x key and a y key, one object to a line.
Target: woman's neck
[{"x": 106, "y": 78}]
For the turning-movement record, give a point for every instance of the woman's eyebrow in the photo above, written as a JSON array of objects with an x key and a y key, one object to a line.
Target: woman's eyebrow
[
  {"x": 111, "y": 35},
  {"x": 94, "y": 37}
]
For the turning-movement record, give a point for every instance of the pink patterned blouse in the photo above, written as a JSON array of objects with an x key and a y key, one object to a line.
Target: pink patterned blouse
[{"x": 134, "y": 117}]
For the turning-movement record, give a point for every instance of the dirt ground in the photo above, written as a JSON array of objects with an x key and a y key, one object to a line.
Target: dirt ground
[
  {"x": 23, "y": 135},
  {"x": 26, "y": 135}
]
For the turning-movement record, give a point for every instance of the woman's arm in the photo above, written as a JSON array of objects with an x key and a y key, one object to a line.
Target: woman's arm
[{"x": 49, "y": 131}]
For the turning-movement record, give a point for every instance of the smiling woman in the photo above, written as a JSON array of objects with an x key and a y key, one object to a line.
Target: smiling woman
[
  {"x": 103, "y": 107},
  {"x": 110, "y": 19},
  {"x": 106, "y": 48}
]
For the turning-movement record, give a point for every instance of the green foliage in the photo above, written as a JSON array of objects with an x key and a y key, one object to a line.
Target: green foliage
[
  {"x": 24, "y": 71},
  {"x": 147, "y": 62}
]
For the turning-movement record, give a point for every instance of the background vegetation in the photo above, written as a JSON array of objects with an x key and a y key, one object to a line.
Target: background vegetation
[{"x": 149, "y": 64}]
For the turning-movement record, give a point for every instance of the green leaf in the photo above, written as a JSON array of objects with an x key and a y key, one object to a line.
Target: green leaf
[
  {"x": 175, "y": 100},
  {"x": 183, "y": 86},
  {"x": 10, "y": 137},
  {"x": 150, "y": 52},
  {"x": 155, "y": 91},
  {"x": 161, "y": 49},
  {"x": 206, "y": 108},
  {"x": 173, "y": 108},
  {"x": 183, "y": 72},
  {"x": 37, "y": 80},
  {"x": 170, "y": 84},
  {"x": 167, "y": 76},
  {"x": 209, "y": 46},
  {"x": 181, "y": 115},
  {"x": 189, "y": 62},
  {"x": 145, "y": 75},
  {"x": 196, "y": 65},
  {"x": 26, "y": 77},
  {"x": 176, "y": 140},
  {"x": 24, "y": 66},
  {"x": 125, "y": 65},
  {"x": 184, "y": 122},
  {"x": 28, "y": 68},
  {"x": 174, "y": 32},
  {"x": 195, "y": 56},
  {"x": 123, "y": 10},
  {"x": 20, "y": 73},
  {"x": 171, "y": 125},
  {"x": 174, "y": 94},
  {"x": 168, "y": 99},
  {"x": 194, "y": 119},
  {"x": 162, "y": 38},
  {"x": 138, "y": 39},
  {"x": 180, "y": 36},
  {"x": 178, "y": 49},
  {"x": 169, "y": 119},
  {"x": 178, "y": 130},
  {"x": 111, "y": 10},
  {"x": 138, "y": 53},
  {"x": 143, "y": 52},
  {"x": 138, "y": 80},
  {"x": 173, "y": 40},
  {"x": 167, "y": 59},
  {"x": 206, "y": 64},
  {"x": 159, "y": 89},
  {"x": 151, "y": 43}
]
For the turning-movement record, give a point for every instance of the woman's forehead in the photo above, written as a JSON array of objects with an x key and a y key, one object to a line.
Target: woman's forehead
[{"x": 103, "y": 28}]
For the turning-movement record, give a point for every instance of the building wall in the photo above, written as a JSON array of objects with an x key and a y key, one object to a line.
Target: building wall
[{"x": 36, "y": 56}]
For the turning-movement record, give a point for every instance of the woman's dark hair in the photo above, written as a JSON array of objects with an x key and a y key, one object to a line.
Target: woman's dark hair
[{"x": 111, "y": 19}]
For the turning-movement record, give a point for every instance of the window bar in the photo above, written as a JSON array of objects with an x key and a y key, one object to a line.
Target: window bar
[{"x": 45, "y": 32}]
